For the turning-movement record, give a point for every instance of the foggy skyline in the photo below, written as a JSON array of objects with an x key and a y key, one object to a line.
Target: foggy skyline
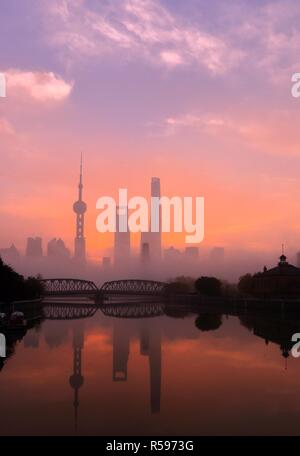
[{"x": 151, "y": 88}]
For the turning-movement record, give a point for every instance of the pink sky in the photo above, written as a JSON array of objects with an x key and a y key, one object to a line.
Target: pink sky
[{"x": 196, "y": 94}]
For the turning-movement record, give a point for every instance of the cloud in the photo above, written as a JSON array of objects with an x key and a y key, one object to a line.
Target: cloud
[
  {"x": 40, "y": 86},
  {"x": 274, "y": 132},
  {"x": 171, "y": 58},
  {"x": 144, "y": 29}
]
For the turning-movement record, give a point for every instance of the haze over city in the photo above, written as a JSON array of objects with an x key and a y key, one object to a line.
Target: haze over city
[{"x": 152, "y": 88}]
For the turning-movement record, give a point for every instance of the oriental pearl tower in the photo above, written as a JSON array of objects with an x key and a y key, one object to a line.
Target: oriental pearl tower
[{"x": 79, "y": 208}]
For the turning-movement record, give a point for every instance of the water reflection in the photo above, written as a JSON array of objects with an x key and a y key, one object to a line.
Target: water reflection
[
  {"x": 165, "y": 362},
  {"x": 76, "y": 379}
]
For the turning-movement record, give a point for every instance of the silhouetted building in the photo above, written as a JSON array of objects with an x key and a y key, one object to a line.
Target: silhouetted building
[
  {"x": 122, "y": 236},
  {"x": 172, "y": 254},
  {"x": 192, "y": 252},
  {"x": 56, "y": 248},
  {"x": 281, "y": 281},
  {"x": 155, "y": 247},
  {"x": 79, "y": 208},
  {"x": 145, "y": 253},
  {"x": 217, "y": 254},
  {"x": 298, "y": 259},
  {"x": 106, "y": 263},
  {"x": 10, "y": 254},
  {"x": 34, "y": 247},
  {"x": 152, "y": 238}
]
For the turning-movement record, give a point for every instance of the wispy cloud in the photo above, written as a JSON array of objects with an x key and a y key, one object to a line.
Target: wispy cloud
[
  {"x": 139, "y": 29},
  {"x": 273, "y": 132},
  {"x": 40, "y": 86}
]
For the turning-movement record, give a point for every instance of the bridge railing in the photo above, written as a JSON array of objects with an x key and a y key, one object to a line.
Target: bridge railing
[{"x": 60, "y": 287}]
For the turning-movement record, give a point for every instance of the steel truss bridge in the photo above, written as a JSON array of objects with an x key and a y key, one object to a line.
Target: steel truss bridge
[
  {"x": 133, "y": 287},
  {"x": 79, "y": 287},
  {"x": 68, "y": 287}
]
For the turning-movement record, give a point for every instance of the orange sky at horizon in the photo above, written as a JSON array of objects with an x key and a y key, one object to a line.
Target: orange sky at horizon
[{"x": 218, "y": 122}]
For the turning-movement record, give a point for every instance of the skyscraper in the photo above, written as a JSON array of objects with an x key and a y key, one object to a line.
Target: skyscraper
[
  {"x": 122, "y": 236},
  {"x": 153, "y": 238},
  {"x": 79, "y": 208},
  {"x": 156, "y": 236},
  {"x": 56, "y": 249},
  {"x": 34, "y": 247}
]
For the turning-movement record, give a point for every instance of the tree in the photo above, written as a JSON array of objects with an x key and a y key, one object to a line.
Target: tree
[
  {"x": 177, "y": 288},
  {"x": 209, "y": 286},
  {"x": 208, "y": 322},
  {"x": 245, "y": 285},
  {"x": 14, "y": 287}
]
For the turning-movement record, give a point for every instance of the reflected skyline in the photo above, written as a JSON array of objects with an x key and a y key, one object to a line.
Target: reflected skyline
[{"x": 108, "y": 362}]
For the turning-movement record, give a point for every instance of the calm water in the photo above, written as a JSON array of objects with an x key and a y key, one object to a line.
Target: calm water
[{"x": 180, "y": 374}]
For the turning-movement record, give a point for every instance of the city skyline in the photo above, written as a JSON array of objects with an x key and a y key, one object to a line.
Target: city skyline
[{"x": 146, "y": 88}]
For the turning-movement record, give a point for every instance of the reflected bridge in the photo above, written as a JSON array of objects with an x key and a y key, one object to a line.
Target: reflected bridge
[
  {"x": 73, "y": 311},
  {"x": 68, "y": 311},
  {"x": 133, "y": 310}
]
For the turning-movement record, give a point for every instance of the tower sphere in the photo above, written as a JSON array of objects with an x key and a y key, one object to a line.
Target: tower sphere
[{"x": 79, "y": 207}]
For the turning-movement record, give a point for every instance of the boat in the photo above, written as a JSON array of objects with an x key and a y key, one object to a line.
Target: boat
[{"x": 17, "y": 321}]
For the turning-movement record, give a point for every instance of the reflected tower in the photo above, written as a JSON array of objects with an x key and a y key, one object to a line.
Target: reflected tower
[
  {"x": 150, "y": 345},
  {"x": 76, "y": 379},
  {"x": 79, "y": 208},
  {"x": 121, "y": 341}
]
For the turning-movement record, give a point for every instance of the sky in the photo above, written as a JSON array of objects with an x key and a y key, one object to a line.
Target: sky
[{"x": 197, "y": 93}]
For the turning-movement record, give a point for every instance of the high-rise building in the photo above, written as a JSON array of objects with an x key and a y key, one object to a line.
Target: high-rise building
[
  {"x": 155, "y": 248},
  {"x": 106, "y": 263},
  {"x": 79, "y": 208},
  {"x": 56, "y": 249},
  {"x": 217, "y": 254},
  {"x": 172, "y": 254},
  {"x": 153, "y": 237},
  {"x": 192, "y": 252},
  {"x": 145, "y": 253},
  {"x": 122, "y": 236},
  {"x": 298, "y": 259},
  {"x": 10, "y": 254},
  {"x": 34, "y": 247}
]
